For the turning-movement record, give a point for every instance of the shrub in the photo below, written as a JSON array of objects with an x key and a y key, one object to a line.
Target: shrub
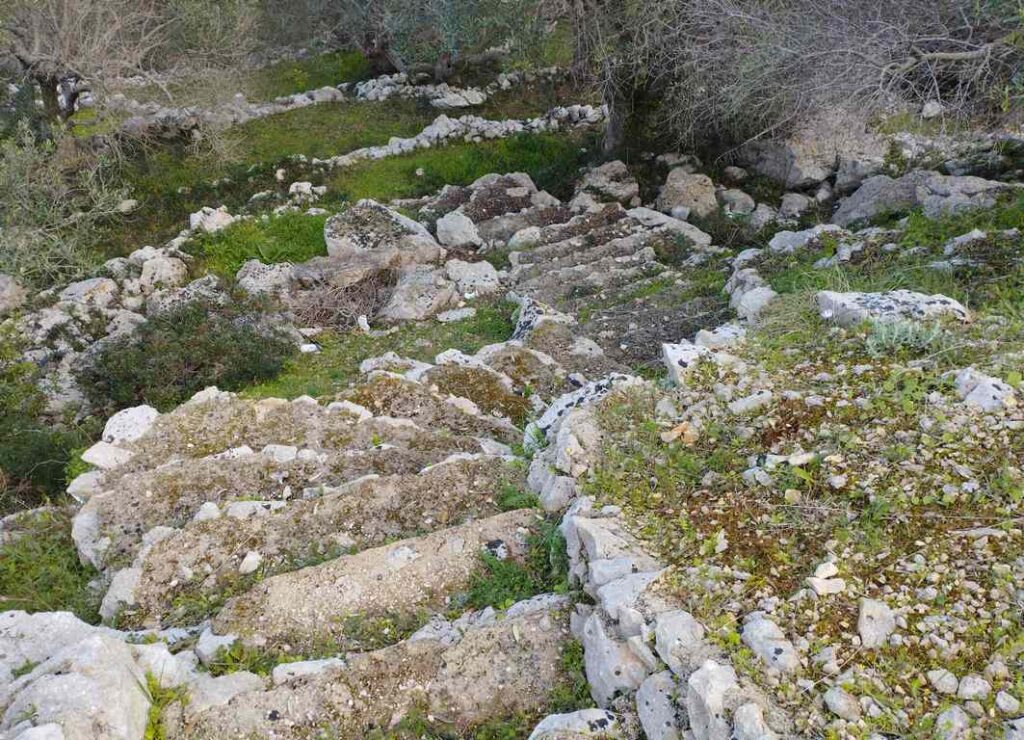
[
  {"x": 33, "y": 450},
  {"x": 51, "y": 202},
  {"x": 183, "y": 350},
  {"x": 887, "y": 339}
]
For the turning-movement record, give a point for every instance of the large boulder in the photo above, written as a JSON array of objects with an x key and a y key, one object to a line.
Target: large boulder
[
  {"x": 369, "y": 228},
  {"x": 684, "y": 190},
  {"x": 421, "y": 292},
  {"x": 611, "y": 182},
  {"x": 937, "y": 195}
]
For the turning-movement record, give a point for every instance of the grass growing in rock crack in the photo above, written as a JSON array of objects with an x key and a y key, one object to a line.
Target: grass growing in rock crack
[
  {"x": 502, "y": 583},
  {"x": 159, "y": 699},
  {"x": 40, "y": 569},
  {"x": 289, "y": 237},
  {"x": 336, "y": 366}
]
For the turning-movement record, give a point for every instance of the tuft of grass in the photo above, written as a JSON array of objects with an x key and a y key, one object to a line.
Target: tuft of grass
[
  {"x": 573, "y": 692},
  {"x": 40, "y": 570},
  {"x": 550, "y": 159},
  {"x": 512, "y": 497},
  {"x": 289, "y": 237},
  {"x": 159, "y": 699},
  {"x": 294, "y": 76},
  {"x": 336, "y": 366}
]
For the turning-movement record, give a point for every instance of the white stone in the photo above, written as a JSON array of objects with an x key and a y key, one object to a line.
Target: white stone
[
  {"x": 85, "y": 486},
  {"x": 656, "y": 707},
  {"x": 943, "y": 681},
  {"x": 210, "y": 644},
  {"x": 953, "y": 724},
  {"x": 767, "y": 640},
  {"x": 129, "y": 425},
  {"x": 210, "y": 220},
  {"x": 875, "y": 623},
  {"x": 973, "y": 687},
  {"x": 611, "y": 667},
  {"x": 751, "y": 403},
  {"x": 826, "y": 586},
  {"x": 473, "y": 278},
  {"x": 680, "y": 360},
  {"x": 106, "y": 456},
  {"x": 456, "y": 229},
  {"x": 252, "y": 560},
  {"x": 597, "y": 723},
  {"x": 850, "y": 309},
  {"x": 286, "y": 672},
  {"x": 749, "y": 724},
  {"x": 983, "y": 391},
  {"x": 842, "y": 704},
  {"x": 679, "y": 640}
]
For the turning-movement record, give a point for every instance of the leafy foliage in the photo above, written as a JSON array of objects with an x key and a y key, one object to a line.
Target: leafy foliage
[
  {"x": 33, "y": 450},
  {"x": 183, "y": 350}
]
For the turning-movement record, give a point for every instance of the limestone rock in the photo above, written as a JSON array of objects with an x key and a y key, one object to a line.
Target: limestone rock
[
  {"x": 369, "y": 226},
  {"x": 12, "y": 294},
  {"x": 875, "y": 623},
  {"x": 692, "y": 191},
  {"x": 850, "y": 309},
  {"x": 767, "y": 640},
  {"x": 456, "y": 229},
  {"x": 679, "y": 640},
  {"x": 596, "y": 723},
  {"x": 129, "y": 425},
  {"x": 983, "y": 391},
  {"x": 706, "y": 699},
  {"x": 473, "y": 278},
  {"x": 656, "y": 707},
  {"x": 611, "y": 666}
]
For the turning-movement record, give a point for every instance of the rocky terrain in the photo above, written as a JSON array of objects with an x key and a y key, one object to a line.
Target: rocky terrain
[{"x": 748, "y": 464}]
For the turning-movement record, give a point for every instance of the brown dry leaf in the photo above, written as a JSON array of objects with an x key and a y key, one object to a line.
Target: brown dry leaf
[{"x": 684, "y": 432}]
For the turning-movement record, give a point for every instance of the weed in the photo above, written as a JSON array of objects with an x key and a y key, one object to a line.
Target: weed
[
  {"x": 24, "y": 669},
  {"x": 903, "y": 338},
  {"x": 512, "y": 497}
]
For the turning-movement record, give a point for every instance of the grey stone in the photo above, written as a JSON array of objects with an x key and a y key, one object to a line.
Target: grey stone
[
  {"x": 943, "y": 681},
  {"x": 973, "y": 687},
  {"x": 748, "y": 723},
  {"x": 258, "y": 279},
  {"x": 210, "y": 644},
  {"x": 983, "y": 391},
  {"x": 611, "y": 667},
  {"x": 456, "y": 229},
  {"x": 794, "y": 205},
  {"x": 286, "y": 672},
  {"x": 581, "y": 724},
  {"x": 656, "y": 706},
  {"x": 842, "y": 704},
  {"x": 98, "y": 292},
  {"x": 692, "y": 191},
  {"x": 129, "y": 425},
  {"x": 953, "y": 724},
  {"x": 473, "y": 279},
  {"x": 787, "y": 242},
  {"x": 707, "y": 694},
  {"x": 12, "y": 294},
  {"x": 106, "y": 456},
  {"x": 737, "y": 201},
  {"x": 767, "y": 640},
  {"x": 369, "y": 226},
  {"x": 679, "y": 640},
  {"x": 850, "y": 309}
]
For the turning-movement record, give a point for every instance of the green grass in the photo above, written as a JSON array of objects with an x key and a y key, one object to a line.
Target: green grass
[
  {"x": 322, "y": 70},
  {"x": 329, "y": 129},
  {"x": 552, "y": 160},
  {"x": 40, "y": 571},
  {"x": 337, "y": 366},
  {"x": 501, "y": 583},
  {"x": 160, "y": 698},
  {"x": 289, "y": 237}
]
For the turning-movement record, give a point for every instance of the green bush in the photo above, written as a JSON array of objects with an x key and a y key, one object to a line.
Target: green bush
[
  {"x": 33, "y": 450},
  {"x": 182, "y": 351},
  {"x": 290, "y": 237}
]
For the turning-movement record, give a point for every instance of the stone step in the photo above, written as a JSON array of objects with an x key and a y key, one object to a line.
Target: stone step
[
  {"x": 497, "y": 667},
  {"x": 577, "y": 244},
  {"x": 207, "y": 557},
  {"x": 109, "y": 527},
  {"x": 571, "y": 288},
  {"x": 534, "y": 241},
  {"x": 399, "y": 581},
  {"x": 623, "y": 246}
]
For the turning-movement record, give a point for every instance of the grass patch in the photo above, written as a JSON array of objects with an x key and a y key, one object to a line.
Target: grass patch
[
  {"x": 289, "y": 237},
  {"x": 40, "y": 570},
  {"x": 550, "y": 159},
  {"x": 336, "y": 366},
  {"x": 502, "y": 583},
  {"x": 512, "y": 497},
  {"x": 294, "y": 76}
]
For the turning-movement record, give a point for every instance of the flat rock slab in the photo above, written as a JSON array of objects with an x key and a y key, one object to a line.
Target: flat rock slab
[
  {"x": 402, "y": 579},
  {"x": 850, "y": 309}
]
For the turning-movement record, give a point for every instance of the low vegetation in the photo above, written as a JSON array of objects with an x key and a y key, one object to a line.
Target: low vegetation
[
  {"x": 289, "y": 237},
  {"x": 40, "y": 569},
  {"x": 183, "y": 350}
]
